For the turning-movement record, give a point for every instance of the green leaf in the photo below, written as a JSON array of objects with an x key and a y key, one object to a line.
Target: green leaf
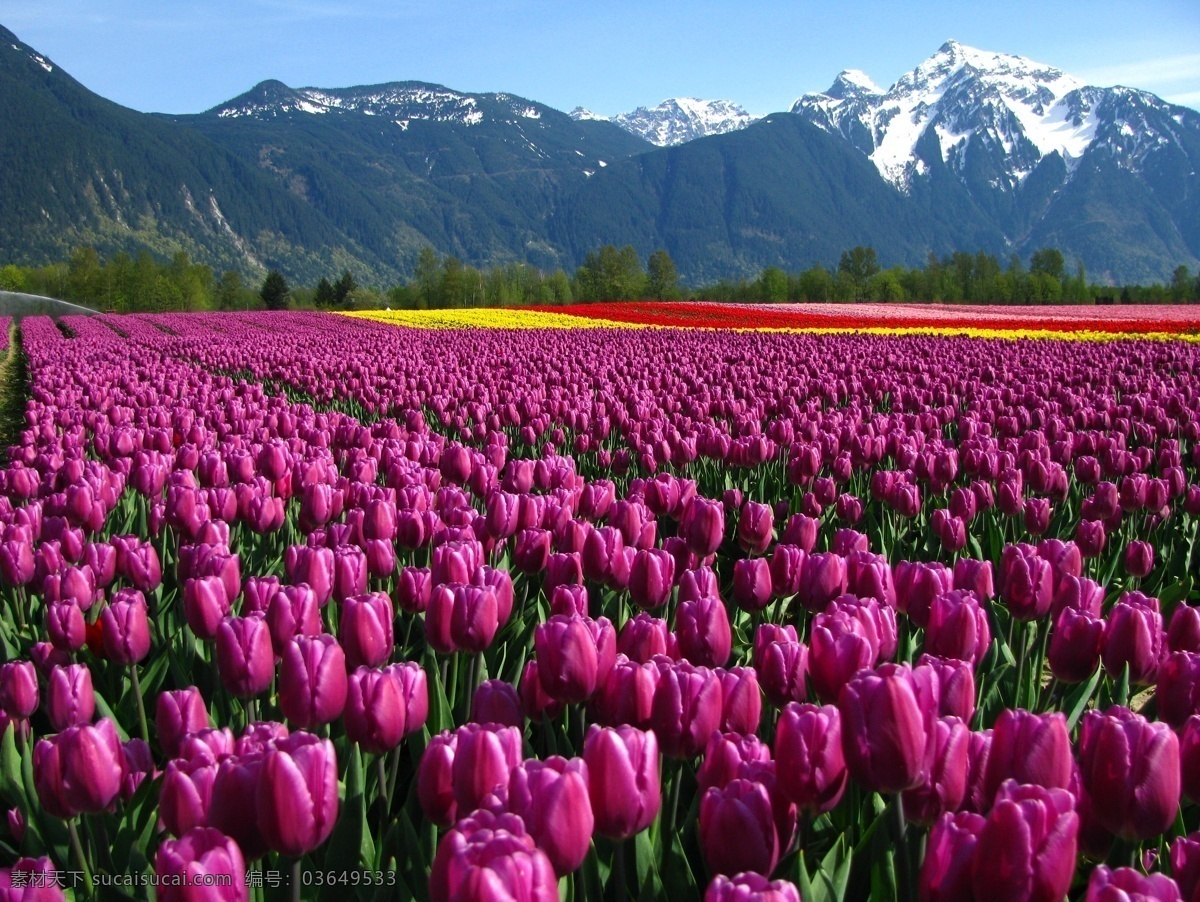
[
  {"x": 346, "y": 844},
  {"x": 105, "y": 711},
  {"x": 1076, "y": 701},
  {"x": 10, "y": 766}
]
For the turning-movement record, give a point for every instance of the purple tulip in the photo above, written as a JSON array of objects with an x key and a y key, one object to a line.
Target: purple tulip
[
  {"x": 703, "y": 526},
  {"x": 623, "y": 780},
  {"x": 1139, "y": 558},
  {"x": 125, "y": 626},
  {"x": 70, "y": 699},
  {"x": 840, "y": 647},
  {"x": 651, "y": 577},
  {"x": 1183, "y": 633},
  {"x": 917, "y": 585},
  {"x": 1075, "y": 645},
  {"x": 737, "y": 829},
  {"x": 65, "y": 625},
  {"x": 958, "y": 627},
  {"x": 178, "y": 713},
  {"x": 949, "y": 856},
  {"x": 18, "y": 689},
  {"x": 365, "y": 629},
  {"x": 1030, "y": 748},
  {"x": 1129, "y": 883},
  {"x": 725, "y": 757},
  {"x": 703, "y": 632},
  {"x": 687, "y": 708},
  {"x": 945, "y": 785},
  {"x": 781, "y": 667},
  {"x": 205, "y": 604},
  {"x": 750, "y": 887},
  {"x": 490, "y": 856},
  {"x": 1130, "y": 768},
  {"x": 1133, "y": 637},
  {"x": 824, "y": 579},
  {"x": 1028, "y": 582},
  {"x": 80, "y": 769},
  {"x": 1026, "y": 849},
  {"x": 1178, "y": 689},
  {"x": 186, "y": 794},
  {"x": 292, "y": 612},
  {"x": 1185, "y": 865},
  {"x": 245, "y": 658},
  {"x": 642, "y": 637},
  {"x": 808, "y": 751},
  {"x": 574, "y": 656},
  {"x": 297, "y": 798},
  {"x": 741, "y": 697},
  {"x": 384, "y": 706},
  {"x": 888, "y": 723},
  {"x": 551, "y": 797},
  {"x": 786, "y": 569},
  {"x": 202, "y": 857},
  {"x": 483, "y": 760},
  {"x": 496, "y": 701},
  {"x": 755, "y": 527},
  {"x": 312, "y": 680}
]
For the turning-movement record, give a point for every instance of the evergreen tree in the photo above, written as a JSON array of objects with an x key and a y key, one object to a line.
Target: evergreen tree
[
  {"x": 325, "y": 296},
  {"x": 345, "y": 285},
  {"x": 859, "y": 266},
  {"x": 274, "y": 291}
]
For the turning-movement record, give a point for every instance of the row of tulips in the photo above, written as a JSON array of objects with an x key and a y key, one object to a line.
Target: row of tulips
[{"x": 459, "y": 637}]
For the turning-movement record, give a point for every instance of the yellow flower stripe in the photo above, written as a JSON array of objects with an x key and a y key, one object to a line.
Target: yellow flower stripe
[
  {"x": 486, "y": 318},
  {"x": 516, "y": 318}
]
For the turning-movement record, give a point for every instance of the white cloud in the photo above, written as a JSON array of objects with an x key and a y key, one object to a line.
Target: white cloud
[{"x": 1188, "y": 98}]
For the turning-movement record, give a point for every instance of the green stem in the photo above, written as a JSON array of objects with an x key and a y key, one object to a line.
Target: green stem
[
  {"x": 619, "y": 870},
  {"x": 903, "y": 871},
  {"x": 80, "y": 857},
  {"x": 296, "y": 875},
  {"x": 1022, "y": 648},
  {"x": 141, "y": 705}
]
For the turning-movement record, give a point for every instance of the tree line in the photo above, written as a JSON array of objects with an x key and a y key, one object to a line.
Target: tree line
[{"x": 127, "y": 284}]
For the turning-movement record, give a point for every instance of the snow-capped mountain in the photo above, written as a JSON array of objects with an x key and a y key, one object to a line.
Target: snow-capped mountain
[
  {"x": 678, "y": 120},
  {"x": 398, "y": 102},
  {"x": 978, "y": 103}
]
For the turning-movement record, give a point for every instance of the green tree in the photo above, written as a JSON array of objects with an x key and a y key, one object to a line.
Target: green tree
[
  {"x": 662, "y": 279},
  {"x": 324, "y": 295},
  {"x": 859, "y": 266},
  {"x": 1049, "y": 261},
  {"x": 611, "y": 275},
  {"x": 1181, "y": 285},
  {"x": 772, "y": 285},
  {"x": 428, "y": 278},
  {"x": 342, "y": 290},
  {"x": 816, "y": 284},
  {"x": 229, "y": 291},
  {"x": 12, "y": 279},
  {"x": 274, "y": 291}
]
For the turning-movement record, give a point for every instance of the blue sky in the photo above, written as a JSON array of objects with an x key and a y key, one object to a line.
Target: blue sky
[{"x": 184, "y": 56}]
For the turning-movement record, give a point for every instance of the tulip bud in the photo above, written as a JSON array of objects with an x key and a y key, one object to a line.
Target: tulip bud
[
  {"x": 18, "y": 689},
  {"x": 839, "y": 648},
  {"x": 297, "y": 797},
  {"x": 491, "y": 856},
  {"x": 484, "y": 759},
  {"x": 888, "y": 721},
  {"x": 80, "y": 769},
  {"x": 312, "y": 680},
  {"x": 810, "y": 763},
  {"x": 1185, "y": 865},
  {"x": 186, "y": 794},
  {"x": 755, "y": 527},
  {"x": 917, "y": 584},
  {"x": 781, "y": 667},
  {"x": 786, "y": 569},
  {"x": 70, "y": 699},
  {"x": 365, "y": 629},
  {"x": 737, "y": 829},
  {"x": 126, "y": 628},
  {"x": 201, "y": 857},
  {"x": 1028, "y": 582},
  {"x": 205, "y": 605},
  {"x": 750, "y": 887},
  {"x": 65, "y": 625},
  {"x": 824, "y": 579},
  {"x": 703, "y": 632},
  {"x": 574, "y": 656},
  {"x": 384, "y": 706},
  {"x": 496, "y": 701},
  {"x": 245, "y": 658},
  {"x": 1030, "y": 748},
  {"x": 1130, "y": 768},
  {"x": 958, "y": 627},
  {"x": 651, "y": 577},
  {"x": 623, "y": 780},
  {"x": 435, "y": 786},
  {"x": 703, "y": 526},
  {"x": 1075, "y": 645},
  {"x": 949, "y": 855},
  {"x": 642, "y": 637},
  {"x": 945, "y": 786},
  {"x": 551, "y": 797},
  {"x": 1133, "y": 636},
  {"x": 1129, "y": 883},
  {"x": 687, "y": 708},
  {"x": 1027, "y": 847},
  {"x": 412, "y": 589},
  {"x": 1139, "y": 558},
  {"x": 725, "y": 757}
]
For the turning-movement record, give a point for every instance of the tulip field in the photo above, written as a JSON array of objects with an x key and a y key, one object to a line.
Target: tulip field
[{"x": 616, "y": 602}]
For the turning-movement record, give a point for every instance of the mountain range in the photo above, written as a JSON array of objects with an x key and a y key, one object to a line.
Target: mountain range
[{"x": 971, "y": 151}]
